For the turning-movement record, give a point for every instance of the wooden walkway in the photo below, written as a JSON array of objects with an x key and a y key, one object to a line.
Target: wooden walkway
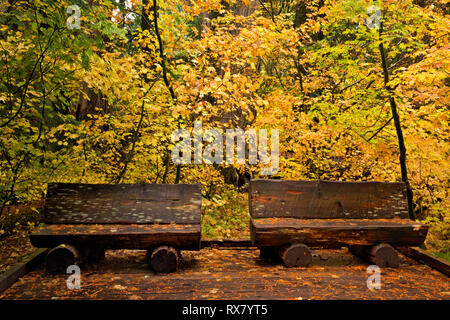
[{"x": 235, "y": 274}]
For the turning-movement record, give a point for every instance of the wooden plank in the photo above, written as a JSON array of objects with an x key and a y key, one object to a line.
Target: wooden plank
[
  {"x": 336, "y": 233},
  {"x": 327, "y": 199},
  {"x": 119, "y": 236},
  {"x": 69, "y": 203},
  {"x": 11, "y": 275},
  {"x": 426, "y": 258},
  {"x": 231, "y": 274}
]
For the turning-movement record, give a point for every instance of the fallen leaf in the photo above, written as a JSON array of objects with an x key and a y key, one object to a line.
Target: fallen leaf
[{"x": 119, "y": 287}]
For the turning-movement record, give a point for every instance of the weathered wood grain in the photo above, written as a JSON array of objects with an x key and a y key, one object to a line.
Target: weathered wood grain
[
  {"x": 335, "y": 233},
  {"x": 118, "y": 236},
  {"x": 70, "y": 203},
  {"x": 235, "y": 274},
  {"x": 327, "y": 199}
]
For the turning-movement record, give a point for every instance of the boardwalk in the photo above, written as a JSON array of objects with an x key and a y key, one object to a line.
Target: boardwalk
[{"x": 235, "y": 274}]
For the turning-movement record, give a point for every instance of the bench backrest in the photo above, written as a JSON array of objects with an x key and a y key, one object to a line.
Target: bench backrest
[
  {"x": 75, "y": 203},
  {"x": 327, "y": 199}
]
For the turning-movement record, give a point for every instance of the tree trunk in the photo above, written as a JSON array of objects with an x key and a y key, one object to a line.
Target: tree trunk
[
  {"x": 146, "y": 20},
  {"x": 398, "y": 128}
]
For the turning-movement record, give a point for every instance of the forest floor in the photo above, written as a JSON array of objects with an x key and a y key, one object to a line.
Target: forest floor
[{"x": 234, "y": 274}]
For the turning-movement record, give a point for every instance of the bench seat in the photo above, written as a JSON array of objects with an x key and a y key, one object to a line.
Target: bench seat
[
  {"x": 336, "y": 232},
  {"x": 119, "y": 236}
]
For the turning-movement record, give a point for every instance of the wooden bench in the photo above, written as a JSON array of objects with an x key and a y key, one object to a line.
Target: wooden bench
[
  {"x": 82, "y": 220},
  {"x": 289, "y": 216}
]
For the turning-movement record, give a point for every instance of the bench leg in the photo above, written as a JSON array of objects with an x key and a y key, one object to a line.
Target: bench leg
[
  {"x": 163, "y": 259},
  {"x": 64, "y": 255},
  {"x": 383, "y": 255},
  {"x": 295, "y": 255}
]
